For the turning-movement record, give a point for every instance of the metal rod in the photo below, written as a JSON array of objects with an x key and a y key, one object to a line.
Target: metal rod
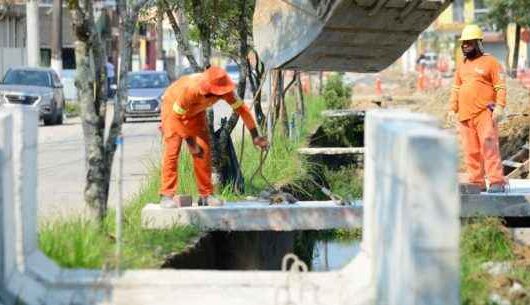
[{"x": 119, "y": 144}]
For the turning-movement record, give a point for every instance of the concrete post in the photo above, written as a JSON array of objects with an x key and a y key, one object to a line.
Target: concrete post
[
  {"x": 414, "y": 211},
  {"x": 32, "y": 29},
  {"x": 375, "y": 153},
  {"x": 25, "y": 129},
  {"x": 57, "y": 37},
  {"x": 7, "y": 245}
]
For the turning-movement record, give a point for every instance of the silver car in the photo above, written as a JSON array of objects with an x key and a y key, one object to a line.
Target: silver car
[
  {"x": 145, "y": 94},
  {"x": 39, "y": 88}
]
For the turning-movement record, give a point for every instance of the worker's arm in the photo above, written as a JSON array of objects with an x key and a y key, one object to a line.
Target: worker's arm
[
  {"x": 499, "y": 84},
  {"x": 453, "y": 102},
  {"x": 240, "y": 108}
]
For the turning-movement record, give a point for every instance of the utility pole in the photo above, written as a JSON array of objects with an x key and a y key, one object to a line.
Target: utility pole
[
  {"x": 32, "y": 29},
  {"x": 160, "y": 41},
  {"x": 57, "y": 37}
]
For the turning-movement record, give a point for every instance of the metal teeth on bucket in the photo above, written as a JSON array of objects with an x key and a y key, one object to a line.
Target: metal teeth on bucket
[{"x": 339, "y": 35}]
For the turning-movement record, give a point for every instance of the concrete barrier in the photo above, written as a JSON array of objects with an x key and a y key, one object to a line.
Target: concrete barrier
[{"x": 411, "y": 256}]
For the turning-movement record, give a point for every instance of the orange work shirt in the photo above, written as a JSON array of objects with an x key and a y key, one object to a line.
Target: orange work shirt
[
  {"x": 478, "y": 83},
  {"x": 183, "y": 107}
]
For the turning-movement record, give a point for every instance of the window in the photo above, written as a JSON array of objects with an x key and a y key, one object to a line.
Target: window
[
  {"x": 28, "y": 78},
  {"x": 147, "y": 80}
]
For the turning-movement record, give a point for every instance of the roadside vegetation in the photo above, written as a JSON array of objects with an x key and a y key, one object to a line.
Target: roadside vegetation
[
  {"x": 72, "y": 109},
  {"x": 494, "y": 269}
]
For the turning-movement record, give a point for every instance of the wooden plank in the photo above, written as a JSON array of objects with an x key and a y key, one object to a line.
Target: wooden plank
[
  {"x": 516, "y": 173},
  {"x": 342, "y": 113},
  {"x": 511, "y": 163},
  {"x": 331, "y": 151}
]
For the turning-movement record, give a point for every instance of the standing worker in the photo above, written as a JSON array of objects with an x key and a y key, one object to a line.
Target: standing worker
[
  {"x": 184, "y": 107},
  {"x": 477, "y": 101}
]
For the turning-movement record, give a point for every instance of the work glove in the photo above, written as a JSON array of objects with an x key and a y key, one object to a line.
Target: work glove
[
  {"x": 451, "y": 117},
  {"x": 498, "y": 114},
  {"x": 261, "y": 142}
]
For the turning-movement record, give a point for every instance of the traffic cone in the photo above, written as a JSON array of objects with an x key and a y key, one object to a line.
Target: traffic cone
[
  {"x": 378, "y": 87},
  {"x": 420, "y": 83}
]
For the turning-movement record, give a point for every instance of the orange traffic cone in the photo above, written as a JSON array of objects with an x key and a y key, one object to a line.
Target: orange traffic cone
[
  {"x": 420, "y": 83},
  {"x": 378, "y": 87}
]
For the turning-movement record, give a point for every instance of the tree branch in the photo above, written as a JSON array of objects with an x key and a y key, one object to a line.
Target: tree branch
[
  {"x": 182, "y": 42},
  {"x": 289, "y": 84}
]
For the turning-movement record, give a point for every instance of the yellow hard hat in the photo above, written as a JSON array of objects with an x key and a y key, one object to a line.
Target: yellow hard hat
[{"x": 471, "y": 32}]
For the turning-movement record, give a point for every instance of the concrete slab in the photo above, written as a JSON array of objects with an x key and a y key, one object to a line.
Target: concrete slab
[
  {"x": 515, "y": 202},
  {"x": 257, "y": 216}
]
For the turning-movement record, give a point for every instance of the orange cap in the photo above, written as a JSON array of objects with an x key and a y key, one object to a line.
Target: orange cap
[{"x": 216, "y": 81}]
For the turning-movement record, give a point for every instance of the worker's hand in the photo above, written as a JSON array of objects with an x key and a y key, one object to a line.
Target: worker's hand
[
  {"x": 498, "y": 114},
  {"x": 160, "y": 128},
  {"x": 261, "y": 142},
  {"x": 451, "y": 117}
]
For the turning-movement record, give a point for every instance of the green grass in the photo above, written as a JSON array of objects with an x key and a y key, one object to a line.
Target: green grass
[
  {"x": 84, "y": 243},
  {"x": 72, "y": 108},
  {"x": 482, "y": 241}
]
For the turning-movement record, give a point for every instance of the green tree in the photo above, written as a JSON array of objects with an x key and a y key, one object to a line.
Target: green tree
[
  {"x": 503, "y": 12},
  {"x": 336, "y": 94}
]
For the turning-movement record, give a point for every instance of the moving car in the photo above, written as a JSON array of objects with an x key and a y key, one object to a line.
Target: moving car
[
  {"x": 39, "y": 88},
  {"x": 145, "y": 93}
]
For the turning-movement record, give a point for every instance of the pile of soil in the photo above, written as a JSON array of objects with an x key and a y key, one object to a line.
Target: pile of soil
[{"x": 514, "y": 131}]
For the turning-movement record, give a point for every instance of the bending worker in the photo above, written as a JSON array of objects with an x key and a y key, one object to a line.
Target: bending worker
[
  {"x": 184, "y": 107},
  {"x": 477, "y": 101}
]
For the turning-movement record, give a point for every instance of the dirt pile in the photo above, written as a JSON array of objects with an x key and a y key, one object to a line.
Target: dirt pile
[{"x": 514, "y": 131}]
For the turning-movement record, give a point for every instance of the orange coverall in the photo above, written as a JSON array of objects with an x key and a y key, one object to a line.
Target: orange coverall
[
  {"x": 478, "y": 86},
  {"x": 183, "y": 116}
]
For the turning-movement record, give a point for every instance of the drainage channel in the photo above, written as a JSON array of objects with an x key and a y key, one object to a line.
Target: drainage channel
[{"x": 264, "y": 250}]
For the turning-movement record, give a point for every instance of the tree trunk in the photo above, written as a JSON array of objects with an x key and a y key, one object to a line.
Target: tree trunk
[
  {"x": 91, "y": 87},
  {"x": 515, "y": 61},
  {"x": 320, "y": 83},
  {"x": 300, "y": 105},
  {"x": 282, "y": 107},
  {"x": 57, "y": 37},
  {"x": 255, "y": 80}
]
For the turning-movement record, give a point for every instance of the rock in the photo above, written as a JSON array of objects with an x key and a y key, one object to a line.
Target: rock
[{"x": 497, "y": 268}]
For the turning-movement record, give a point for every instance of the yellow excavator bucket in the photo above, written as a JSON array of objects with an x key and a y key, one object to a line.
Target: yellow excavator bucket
[{"x": 339, "y": 35}]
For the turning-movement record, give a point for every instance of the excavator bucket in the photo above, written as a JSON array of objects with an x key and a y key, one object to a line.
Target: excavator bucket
[{"x": 339, "y": 35}]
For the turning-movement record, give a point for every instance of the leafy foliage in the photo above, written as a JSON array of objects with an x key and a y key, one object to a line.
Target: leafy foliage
[
  {"x": 503, "y": 12},
  {"x": 336, "y": 94}
]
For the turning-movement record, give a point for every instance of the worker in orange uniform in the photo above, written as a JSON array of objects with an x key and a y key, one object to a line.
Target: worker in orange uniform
[
  {"x": 477, "y": 102},
  {"x": 183, "y": 115}
]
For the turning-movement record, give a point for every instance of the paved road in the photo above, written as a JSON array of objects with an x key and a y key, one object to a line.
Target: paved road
[{"x": 61, "y": 163}]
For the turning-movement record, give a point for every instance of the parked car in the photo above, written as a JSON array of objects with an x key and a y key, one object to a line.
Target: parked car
[
  {"x": 233, "y": 72},
  {"x": 39, "y": 88},
  {"x": 145, "y": 93}
]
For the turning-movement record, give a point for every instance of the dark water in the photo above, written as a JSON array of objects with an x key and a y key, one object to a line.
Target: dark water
[{"x": 263, "y": 251}]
